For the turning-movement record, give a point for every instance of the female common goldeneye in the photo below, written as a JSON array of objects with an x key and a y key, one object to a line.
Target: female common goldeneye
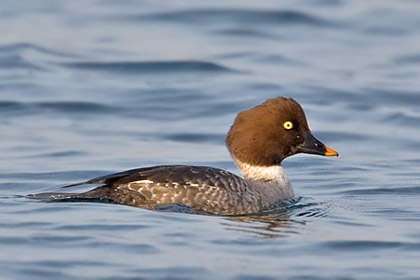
[{"x": 258, "y": 141}]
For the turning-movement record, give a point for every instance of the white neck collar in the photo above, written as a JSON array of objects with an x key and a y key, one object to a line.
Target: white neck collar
[{"x": 274, "y": 173}]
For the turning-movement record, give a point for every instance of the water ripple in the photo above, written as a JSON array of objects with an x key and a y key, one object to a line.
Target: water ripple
[
  {"x": 408, "y": 59},
  {"x": 73, "y": 107},
  {"x": 196, "y": 137},
  {"x": 18, "y": 62},
  {"x": 209, "y": 16},
  {"x": 130, "y": 67},
  {"x": 76, "y": 107},
  {"x": 376, "y": 191},
  {"x": 367, "y": 245},
  {"x": 28, "y": 57},
  {"x": 19, "y": 48}
]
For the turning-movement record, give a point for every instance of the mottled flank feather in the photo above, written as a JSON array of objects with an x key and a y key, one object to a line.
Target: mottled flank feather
[{"x": 204, "y": 189}]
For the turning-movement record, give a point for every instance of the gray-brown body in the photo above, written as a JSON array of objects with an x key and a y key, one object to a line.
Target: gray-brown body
[{"x": 204, "y": 189}]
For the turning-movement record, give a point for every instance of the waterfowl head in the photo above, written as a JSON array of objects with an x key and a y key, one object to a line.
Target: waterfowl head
[{"x": 268, "y": 133}]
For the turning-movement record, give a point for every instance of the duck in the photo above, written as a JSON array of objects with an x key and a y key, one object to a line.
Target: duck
[{"x": 259, "y": 139}]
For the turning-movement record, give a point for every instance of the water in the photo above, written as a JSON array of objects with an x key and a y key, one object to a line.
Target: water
[{"x": 93, "y": 87}]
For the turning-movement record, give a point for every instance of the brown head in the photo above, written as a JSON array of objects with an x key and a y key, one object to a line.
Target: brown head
[{"x": 268, "y": 133}]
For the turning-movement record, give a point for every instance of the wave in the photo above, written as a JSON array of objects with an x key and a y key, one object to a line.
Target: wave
[
  {"x": 376, "y": 191},
  {"x": 150, "y": 66},
  {"x": 218, "y": 16},
  {"x": 61, "y": 106},
  {"x": 24, "y": 47},
  {"x": 408, "y": 59},
  {"x": 27, "y": 56}
]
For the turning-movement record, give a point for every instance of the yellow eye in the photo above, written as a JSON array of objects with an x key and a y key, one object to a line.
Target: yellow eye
[{"x": 288, "y": 125}]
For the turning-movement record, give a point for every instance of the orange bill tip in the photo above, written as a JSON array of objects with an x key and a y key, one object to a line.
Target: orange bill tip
[{"x": 330, "y": 152}]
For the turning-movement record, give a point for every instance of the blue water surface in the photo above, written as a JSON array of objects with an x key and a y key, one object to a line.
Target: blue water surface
[{"x": 98, "y": 86}]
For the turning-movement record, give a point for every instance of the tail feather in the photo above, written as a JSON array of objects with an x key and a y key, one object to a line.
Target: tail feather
[
  {"x": 74, "y": 185},
  {"x": 99, "y": 193},
  {"x": 53, "y": 196}
]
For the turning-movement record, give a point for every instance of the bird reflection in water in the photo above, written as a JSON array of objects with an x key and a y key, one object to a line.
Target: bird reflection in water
[{"x": 285, "y": 220}]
